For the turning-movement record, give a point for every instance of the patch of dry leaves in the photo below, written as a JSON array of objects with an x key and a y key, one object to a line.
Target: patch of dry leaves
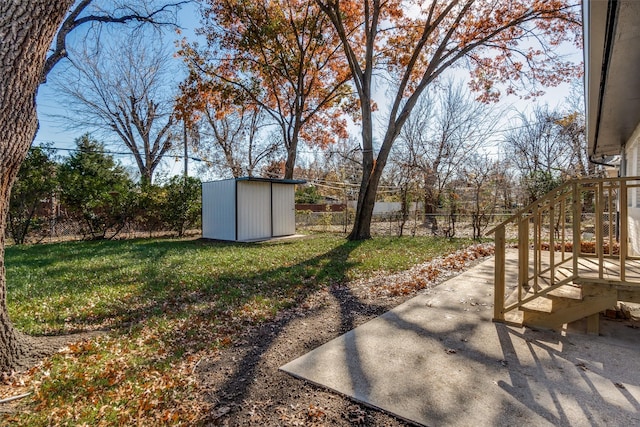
[{"x": 426, "y": 275}]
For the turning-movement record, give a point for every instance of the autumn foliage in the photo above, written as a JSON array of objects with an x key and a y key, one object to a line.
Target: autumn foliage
[
  {"x": 280, "y": 55},
  {"x": 409, "y": 44},
  {"x": 586, "y": 247}
]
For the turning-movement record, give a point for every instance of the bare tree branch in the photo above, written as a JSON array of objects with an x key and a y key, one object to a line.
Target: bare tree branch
[
  {"x": 124, "y": 90},
  {"x": 147, "y": 13}
]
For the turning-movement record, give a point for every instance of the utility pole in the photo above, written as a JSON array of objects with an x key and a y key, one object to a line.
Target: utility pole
[{"x": 184, "y": 136}]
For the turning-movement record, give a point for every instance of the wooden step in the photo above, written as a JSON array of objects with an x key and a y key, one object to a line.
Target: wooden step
[
  {"x": 541, "y": 304},
  {"x": 567, "y": 291},
  {"x": 513, "y": 318},
  {"x": 554, "y": 313},
  {"x": 554, "y": 300}
]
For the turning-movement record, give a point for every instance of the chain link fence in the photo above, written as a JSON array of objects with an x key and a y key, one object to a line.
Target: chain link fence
[
  {"x": 383, "y": 224},
  {"x": 397, "y": 224},
  {"x": 63, "y": 229}
]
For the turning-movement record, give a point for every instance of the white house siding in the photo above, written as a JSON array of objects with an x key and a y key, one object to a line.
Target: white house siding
[
  {"x": 254, "y": 210},
  {"x": 632, "y": 168},
  {"x": 284, "y": 211},
  {"x": 380, "y": 208},
  {"x": 219, "y": 210}
]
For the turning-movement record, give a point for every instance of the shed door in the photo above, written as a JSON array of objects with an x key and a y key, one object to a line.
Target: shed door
[
  {"x": 284, "y": 214},
  {"x": 219, "y": 210},
  {"x": 254, "y": 210}
]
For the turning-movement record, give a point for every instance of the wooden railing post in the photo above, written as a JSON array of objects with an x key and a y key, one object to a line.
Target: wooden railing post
[
  {"x": 523, "y": 255},
  {"x": 610, "y": 216},
  {"x": 624, "y": 230},
  {"x": 537, "y": 247},
  {"x": 599, "y": 228},
  {"x": 552, "y": 244},
  {"x": 577, "y": 217},
  {"x": 499, "y": 290}
]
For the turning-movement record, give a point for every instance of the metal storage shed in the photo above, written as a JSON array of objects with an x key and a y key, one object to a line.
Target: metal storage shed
[{"x": 245, "y": 209}]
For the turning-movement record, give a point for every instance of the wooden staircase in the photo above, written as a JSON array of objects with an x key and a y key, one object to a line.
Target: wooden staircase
[
  {"x": 573, "y": 257},
  {"x": 568, "y": 304}
]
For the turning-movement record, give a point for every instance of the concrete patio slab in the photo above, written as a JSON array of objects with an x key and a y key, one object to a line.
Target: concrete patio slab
[{"x": 439, "y": 360}]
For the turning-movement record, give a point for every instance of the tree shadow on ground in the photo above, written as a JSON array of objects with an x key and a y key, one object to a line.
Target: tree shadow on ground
[
  {"x": 241, "y": 373},
  {"x": 591, "y": 375}
]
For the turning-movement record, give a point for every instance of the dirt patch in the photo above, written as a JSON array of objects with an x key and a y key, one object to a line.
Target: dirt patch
[{"x": 243, "y": 383}]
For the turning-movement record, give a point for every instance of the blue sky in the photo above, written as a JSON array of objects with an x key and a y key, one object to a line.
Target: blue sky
[{"x": 52, "y": 129}]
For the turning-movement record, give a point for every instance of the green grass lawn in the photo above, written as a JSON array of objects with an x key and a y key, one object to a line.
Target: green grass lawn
[{"x": 164, "y": 303}]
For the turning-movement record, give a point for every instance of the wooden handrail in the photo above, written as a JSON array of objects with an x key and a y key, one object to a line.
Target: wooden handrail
[
  {"x": 558, "y": 218},
  {"x": 529, "y": 207},
  {"x": 562, "y": 187}
]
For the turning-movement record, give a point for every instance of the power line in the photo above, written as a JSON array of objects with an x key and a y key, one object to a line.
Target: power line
[
  {"x": 112, "y": 153},
  {"x": 196, "y": 159},
  {"x": 479, "y": 135}
]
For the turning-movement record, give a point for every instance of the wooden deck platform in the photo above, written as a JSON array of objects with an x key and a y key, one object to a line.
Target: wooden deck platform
[
  {"x": 589, "y": 269},
  {"x": 589, "y": 273}
]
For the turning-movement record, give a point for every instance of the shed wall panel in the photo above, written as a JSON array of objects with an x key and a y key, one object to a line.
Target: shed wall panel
[
  {"x": 284, "y": 214},
  {"x": 254, "y": 210},
  {"x": 219, "y": 210}
]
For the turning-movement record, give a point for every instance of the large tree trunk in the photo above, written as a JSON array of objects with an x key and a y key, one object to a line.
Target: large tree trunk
[
  {"x": 368, "y": 185},
  {"x": 27, "y": 29},
  {"x": 290, "y": 164},
  {"x": 371, "y": 174},
  {"x": 364, "y": 211}
]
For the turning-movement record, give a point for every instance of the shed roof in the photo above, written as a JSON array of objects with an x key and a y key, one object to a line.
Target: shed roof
[{"x": 273, "y": 180}]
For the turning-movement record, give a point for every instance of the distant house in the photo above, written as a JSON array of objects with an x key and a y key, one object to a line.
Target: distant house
[{"x": 248, "y": 209}]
